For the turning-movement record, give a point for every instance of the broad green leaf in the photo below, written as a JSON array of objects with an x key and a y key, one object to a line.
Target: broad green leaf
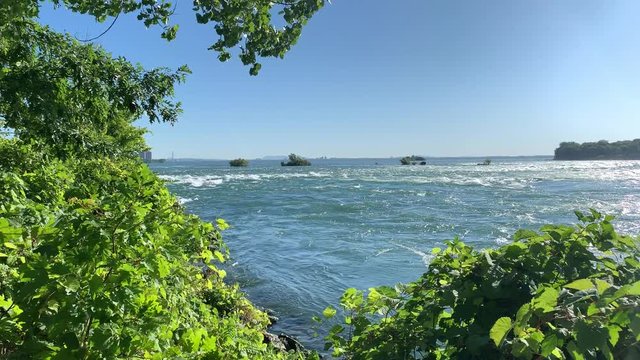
[
  {"x": 5, "y": 303},
  {"x": 499, "y": 330},
  {"x": 557, "y": 353},
  {"x": 582, "y": 284},
  {"x": 614, "y": 334},
  {"x": 547, "y": 300},
  {"x": 601, "y": 285},
  {"x": 627, "y": 290}
]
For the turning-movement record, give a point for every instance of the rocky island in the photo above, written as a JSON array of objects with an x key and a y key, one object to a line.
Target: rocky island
[
  {"x": 295, "y": 160},
  {"x": 239, "y": 162},
  {"x": 413, "y": 160}
]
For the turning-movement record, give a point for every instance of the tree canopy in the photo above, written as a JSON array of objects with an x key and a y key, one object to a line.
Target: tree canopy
[{"x": 256, "y": 28}]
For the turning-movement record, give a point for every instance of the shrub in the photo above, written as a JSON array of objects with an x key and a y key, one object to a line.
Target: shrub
[
  {"x": 98, "y": 260},
  {"x": 561, "y": 293}
]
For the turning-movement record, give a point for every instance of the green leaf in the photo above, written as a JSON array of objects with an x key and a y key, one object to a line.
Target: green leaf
[
  {"x": 549, "y": 344},
  {"x": 10, "y": 245},
  {"x": 329, "y": 312},
  {"x": 601, "y": 285},
  {"x": 627, "y": 290},
  {"x": 547, "y": 300},
  {"x": 614, "y": 334},
  {"x": 557, "y": 353},
  {"x": 219, "y": 256},
  {"x": 499, "y": 330},
  {"x": 582, "y": 284},
  {"x": 5, "y": 304}
]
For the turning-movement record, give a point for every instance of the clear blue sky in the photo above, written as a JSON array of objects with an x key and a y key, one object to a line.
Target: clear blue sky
[{"x": 380, "y": 78}]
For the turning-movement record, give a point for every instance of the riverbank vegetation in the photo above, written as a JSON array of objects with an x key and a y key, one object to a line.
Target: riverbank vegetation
[
  {"x": 561, "y": 293},
  {"x": 97, "y": 259},
  {"x": 601, "y": 150}
]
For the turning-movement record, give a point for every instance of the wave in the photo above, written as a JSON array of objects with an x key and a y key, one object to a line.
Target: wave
[
  {"x": 194, "y": 181},
  {"x": 426, "y": 258},
  {"x": 215, "y": 180},
  {"x": 183, "y": 201}
]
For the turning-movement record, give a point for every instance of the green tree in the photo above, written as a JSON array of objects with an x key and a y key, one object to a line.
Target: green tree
[
  {"x": 246, "y": 25},
  {"x": 97, "y": 258}
]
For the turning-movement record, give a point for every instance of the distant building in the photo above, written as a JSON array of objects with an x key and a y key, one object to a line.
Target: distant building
[{"x": 146, "y": 156}]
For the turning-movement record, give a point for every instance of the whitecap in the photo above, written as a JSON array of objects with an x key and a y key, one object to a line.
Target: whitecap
[
  {"x": 183, "y": 201},
  {"x": 194, "y": 181}
]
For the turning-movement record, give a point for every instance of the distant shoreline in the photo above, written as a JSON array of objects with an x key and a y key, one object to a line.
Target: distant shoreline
[
  {"x": 600, "y": 150},
  {"x": 550, "y": 157}
]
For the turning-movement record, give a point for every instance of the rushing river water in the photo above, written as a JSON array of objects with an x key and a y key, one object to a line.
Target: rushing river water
[{"x": 301, "y": 235}]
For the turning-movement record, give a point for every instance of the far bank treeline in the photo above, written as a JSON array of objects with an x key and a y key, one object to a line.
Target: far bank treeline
[{"x": 601, "y": 150}]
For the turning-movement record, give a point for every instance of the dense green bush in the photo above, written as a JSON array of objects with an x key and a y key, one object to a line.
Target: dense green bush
[
  {"x": 98, "y": 260},
  {"x": 563, "y": 293}
]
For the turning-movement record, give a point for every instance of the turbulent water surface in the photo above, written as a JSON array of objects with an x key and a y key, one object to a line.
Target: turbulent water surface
[{"x": 301, "y": 235}]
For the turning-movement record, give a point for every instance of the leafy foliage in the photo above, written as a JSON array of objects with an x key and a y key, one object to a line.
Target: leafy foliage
[
  {"x": 561, "y": 293},
  {"x": 76, "y": 98},
  {"x": 295, "y": 160},
  {"x": 97, "y": 259},
  {"x": 239, "y": 162},
  {"x": 246, "y": 25},
  {"x": 601, "y": 150}
]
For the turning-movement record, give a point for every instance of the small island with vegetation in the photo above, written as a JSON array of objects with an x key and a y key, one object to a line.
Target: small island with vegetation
[
  {"x": 239, "y": 162},
  {"x": 601, "y": 150},
  {"x": 295, "y": 160},
  {"x": 485, "y": 162},
  {"x": 413, "y": 160}
]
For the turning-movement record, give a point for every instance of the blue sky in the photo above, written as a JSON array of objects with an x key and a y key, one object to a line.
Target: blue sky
[{"x": 387, "y": 78}]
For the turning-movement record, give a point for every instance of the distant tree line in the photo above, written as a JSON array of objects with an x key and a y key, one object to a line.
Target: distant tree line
[{"x": 601, "y": 150}]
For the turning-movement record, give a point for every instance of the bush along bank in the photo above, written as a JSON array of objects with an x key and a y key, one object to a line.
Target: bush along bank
[
  {"x": 561, "y": 293},
  {"x": 97, "y": 260}
]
